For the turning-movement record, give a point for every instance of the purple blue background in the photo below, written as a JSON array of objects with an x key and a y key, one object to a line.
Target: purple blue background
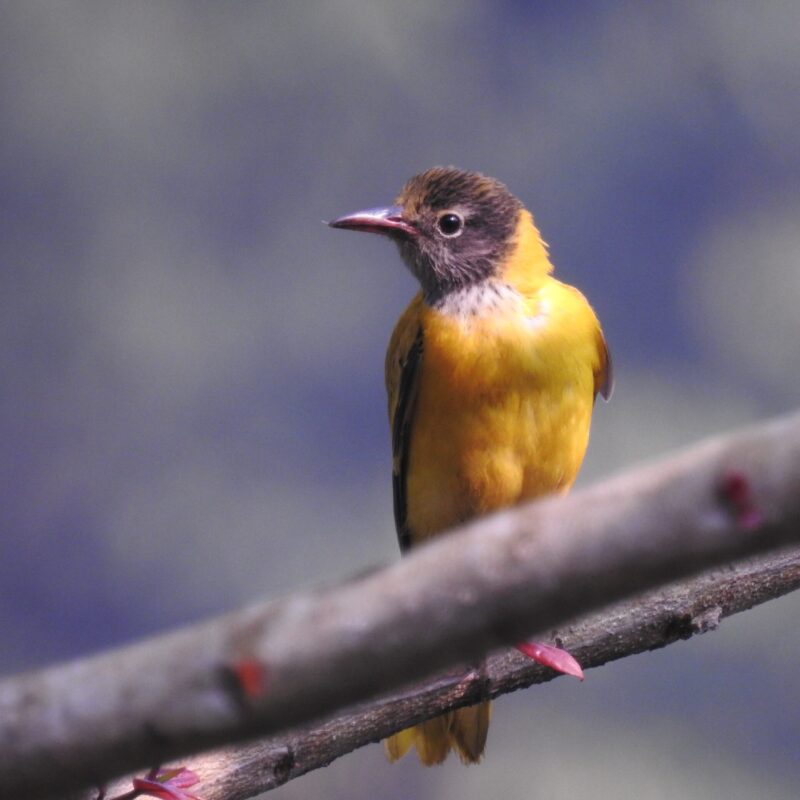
[{"x": 192, "y": 403}]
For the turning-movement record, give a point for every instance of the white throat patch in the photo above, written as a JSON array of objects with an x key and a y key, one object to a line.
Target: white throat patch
[{"x": 486, "y": 297}]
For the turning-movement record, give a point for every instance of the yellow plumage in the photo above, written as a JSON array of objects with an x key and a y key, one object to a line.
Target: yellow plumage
[
  {"x": 505, "y": 395},
  {"x": 503, "y": 403}
]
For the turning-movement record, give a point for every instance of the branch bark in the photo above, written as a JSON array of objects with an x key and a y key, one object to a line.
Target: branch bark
[
  {"x": 502, "y": 578},
  {"x": 649, "y": 622}
]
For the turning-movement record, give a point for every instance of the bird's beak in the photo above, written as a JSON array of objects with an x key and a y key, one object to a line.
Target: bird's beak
[{"x": 388, "y": 221}]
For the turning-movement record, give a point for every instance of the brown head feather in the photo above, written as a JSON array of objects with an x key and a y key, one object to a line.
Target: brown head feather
[{"x": 488, "y": 213}]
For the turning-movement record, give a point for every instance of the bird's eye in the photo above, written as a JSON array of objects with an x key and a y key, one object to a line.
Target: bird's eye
[{"x": 450, "y": 224}]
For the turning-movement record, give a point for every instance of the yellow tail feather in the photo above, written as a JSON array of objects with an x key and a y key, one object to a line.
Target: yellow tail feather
[
  {"x": 397, "y": 745},
  {"x": 463, "y": 730},
  {"x": 468, "y": 731}
]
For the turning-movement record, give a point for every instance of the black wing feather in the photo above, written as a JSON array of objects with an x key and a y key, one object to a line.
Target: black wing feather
[{"x": 401, "y": 437}]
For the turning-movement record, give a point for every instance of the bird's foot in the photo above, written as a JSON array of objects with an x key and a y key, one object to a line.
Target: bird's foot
[{"x": 550, "y": 656}]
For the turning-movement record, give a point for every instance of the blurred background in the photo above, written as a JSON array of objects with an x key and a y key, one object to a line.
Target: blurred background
[{"x": 193, "y": 413}]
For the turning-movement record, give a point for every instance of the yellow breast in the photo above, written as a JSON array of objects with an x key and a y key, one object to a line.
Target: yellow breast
[{"x": 505, "y": 400}]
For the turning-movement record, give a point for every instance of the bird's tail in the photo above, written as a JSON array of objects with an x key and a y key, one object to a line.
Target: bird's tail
[{"x": 463, "y": 730}]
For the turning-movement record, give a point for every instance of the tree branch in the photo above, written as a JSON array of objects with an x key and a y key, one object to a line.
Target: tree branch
[
  {"x": 282, "y": 664},
  {"x": 649, "y": 622}
]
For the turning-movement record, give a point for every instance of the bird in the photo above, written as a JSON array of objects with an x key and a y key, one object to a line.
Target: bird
[{"x": 492, "y": 372}]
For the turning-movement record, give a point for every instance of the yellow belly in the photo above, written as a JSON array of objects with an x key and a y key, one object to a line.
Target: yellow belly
[{"x": 502, "y": 416}]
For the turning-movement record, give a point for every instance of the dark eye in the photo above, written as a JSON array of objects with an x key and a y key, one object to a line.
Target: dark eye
[{"x": 450, "y": 224}]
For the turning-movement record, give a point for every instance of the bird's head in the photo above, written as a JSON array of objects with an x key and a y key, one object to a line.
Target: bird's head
[{"x": 454, "y": 228}]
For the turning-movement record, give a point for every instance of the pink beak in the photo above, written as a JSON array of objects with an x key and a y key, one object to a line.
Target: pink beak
[{"x": 387, "y": 221}]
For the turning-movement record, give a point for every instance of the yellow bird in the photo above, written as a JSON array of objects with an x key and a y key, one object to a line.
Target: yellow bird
[{"x": 492, "y": 372}]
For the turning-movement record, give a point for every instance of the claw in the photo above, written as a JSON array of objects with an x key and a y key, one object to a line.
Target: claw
[
  {"x": 169, "y": 785},
  {"x": 554, "y": 657}
]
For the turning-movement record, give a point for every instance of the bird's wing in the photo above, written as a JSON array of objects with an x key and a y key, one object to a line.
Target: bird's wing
[
  {"x": 604, "y": 374},
  {"x": 403, "y": 367}
]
